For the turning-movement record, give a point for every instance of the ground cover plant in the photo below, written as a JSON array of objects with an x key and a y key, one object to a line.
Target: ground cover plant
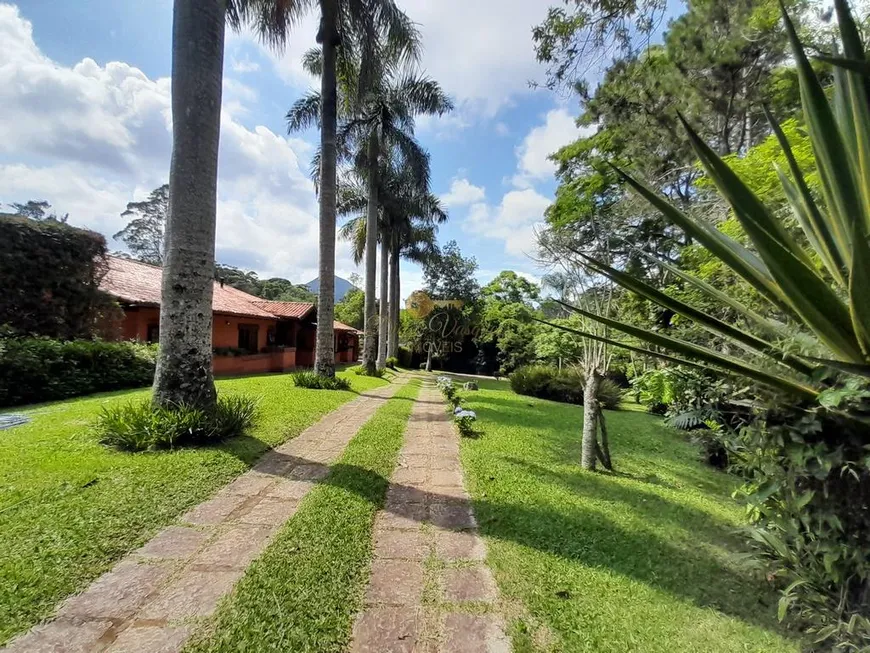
[
  {"x": 140, "y": 426},
  {"x": 314, "y": 381},
  {"x": 70, "y": 507},
  {"x": 303, "y": 592},
  {"x": 643, "y": 560}
]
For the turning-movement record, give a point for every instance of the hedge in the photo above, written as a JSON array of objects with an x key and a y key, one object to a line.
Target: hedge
[
  {"x": 41, "y": 369},
  {"x": 51, "y": 274},
  {"x": 565, "y": 385}
]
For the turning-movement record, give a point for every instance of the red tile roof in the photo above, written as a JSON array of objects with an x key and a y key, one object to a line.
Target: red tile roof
[
  {"x": 339, "y": 326},
  {"x": 285, "y": 309},
  {"x": 135, "y": 282}
]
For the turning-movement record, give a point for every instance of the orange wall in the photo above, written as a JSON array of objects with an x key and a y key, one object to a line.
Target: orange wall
[
  {"x": 136, "y": 321},
  {"x": 226, "y": 330},
  {"x": 255, "y": 364}
]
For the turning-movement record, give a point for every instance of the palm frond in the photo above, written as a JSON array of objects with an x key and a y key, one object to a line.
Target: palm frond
[
  {"x": 271, "y": 20},
  {"x": 304, "y": 113}
]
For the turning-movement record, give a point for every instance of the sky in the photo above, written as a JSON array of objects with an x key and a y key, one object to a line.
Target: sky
[{"x": 85, "y": 124}]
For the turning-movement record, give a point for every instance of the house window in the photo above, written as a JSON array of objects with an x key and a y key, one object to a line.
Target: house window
[
  {"x": 153, "y": 333},
  {"x": 249, "y": 337}
]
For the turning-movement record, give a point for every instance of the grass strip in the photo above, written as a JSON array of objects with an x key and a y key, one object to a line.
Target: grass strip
[
  {"x": 70, "y": 507},
  {"x": 303, "y": 592}
]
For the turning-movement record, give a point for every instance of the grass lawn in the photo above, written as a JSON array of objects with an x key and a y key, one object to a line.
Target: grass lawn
[
  {"x": 303, "y": 592},
  {"x": 69, "y": 507},
  {"x": 645, "y": 560}
]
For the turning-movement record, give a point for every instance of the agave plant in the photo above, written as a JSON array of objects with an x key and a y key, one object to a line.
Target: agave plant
[{"x": 825, "y": 290}]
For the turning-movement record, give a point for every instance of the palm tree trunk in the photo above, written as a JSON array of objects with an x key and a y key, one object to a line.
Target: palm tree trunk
[
  {"x": 393, "y": 349},
  {"x": 184, "y": 362},
  {"x": 590, "y": 419},
  {"x": 385, "y": 303},
  {"x": 324, "y": 358},
  {"x": 370, "y": 347}
]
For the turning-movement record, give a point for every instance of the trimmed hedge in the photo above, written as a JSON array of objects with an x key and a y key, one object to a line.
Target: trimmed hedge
[
  {"x": 564, "y": 385},
  {"x": 40, "y": 369},
  {"x": 52, "y": 274}
]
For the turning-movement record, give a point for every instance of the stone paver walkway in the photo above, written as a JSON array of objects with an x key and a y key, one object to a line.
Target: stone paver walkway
[
  {"x": 430, "y": 589},
  {"x": 150, "y": 601}
]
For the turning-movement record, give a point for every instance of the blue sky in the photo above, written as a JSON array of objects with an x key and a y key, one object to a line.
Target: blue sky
[{"x": 85, "y": 124}]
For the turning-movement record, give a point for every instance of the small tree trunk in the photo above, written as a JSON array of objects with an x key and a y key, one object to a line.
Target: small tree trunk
[
  {"x": 429, "y": 360},
  {"x": 395, "y": 298},
  {"x": 385, "y": 303},
  {"x": 590, "y": 419},
  {"x": 184, "y": 361},
  {"x": 324, "y": 357},
  {"x": 605, "y": 442},
  {"x": 370, "y": 346}
]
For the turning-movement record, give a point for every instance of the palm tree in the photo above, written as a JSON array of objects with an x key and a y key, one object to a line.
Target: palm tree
[
  {"x": 383, "y": 128},
  {"x": 408, "y": 223},
  {"x": 184, "y": 361},
  {"x": 368, "y": 32}
]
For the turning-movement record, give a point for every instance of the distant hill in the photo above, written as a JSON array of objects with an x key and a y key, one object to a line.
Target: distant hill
[{"x": 341, "y": 287}]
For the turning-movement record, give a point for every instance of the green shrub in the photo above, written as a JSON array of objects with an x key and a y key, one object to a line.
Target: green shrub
[
  {"x": 314, "y": 381},
  {"x": 360, "y": 370},
  {"x": 41, "y": 369},
  {"x": 53, "y": 273},
  {"x": 141, "y": 426},
  {"x": 406, "y": 357},
  {"x": 564, "y": 385},
  {"x": 392, "y": 362}
]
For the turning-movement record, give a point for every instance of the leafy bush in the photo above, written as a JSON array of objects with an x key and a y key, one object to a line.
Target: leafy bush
[
  {"x": 41, "y": 369},
  {"x": 464, "y": 420},
  {"x": 406, "y": 357},
  {"x": 566, "y": 385},
  {"x": 314, "y": 381},
  {"x": 449, "y": 390},
  {"x": 141, "y": 426},
  {"x": 360, "y": 370},
  {"x": 392, "y": 362},
  {"x": 53, "y": 273}
]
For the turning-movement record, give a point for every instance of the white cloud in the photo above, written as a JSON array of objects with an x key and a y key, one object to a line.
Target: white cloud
[
  {"x": 502, "y": 129},
  {"x": 91, "y": 138},
  {"x": 513, "y": 221},
  {"x": 463, "y": 192},
  {"x": 243, "y": 65},
  {"x": 533, "y": 164},
  {"x": 481, "y": 52}
]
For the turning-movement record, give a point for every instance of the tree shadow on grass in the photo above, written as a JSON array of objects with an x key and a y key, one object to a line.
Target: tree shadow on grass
[
  {"x": 552, "y": 420},
  {"x": 644, "y": 503},
  {"x": 575, "y": 533}
]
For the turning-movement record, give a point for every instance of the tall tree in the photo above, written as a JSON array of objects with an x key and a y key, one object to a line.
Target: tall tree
[
  {"x": 38, "y": 210},
  {"x": 451, "y": 275},
  {"x": 408, "y": 222},
  {"x": 355, "y": 37},
  {"x": 143, "y": 235},
  {"x": 184, "y": 362}
]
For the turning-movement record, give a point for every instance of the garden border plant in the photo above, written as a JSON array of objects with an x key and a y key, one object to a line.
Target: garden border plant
[
  {"x": 463, "y": 418},
  {"x": 142, "y": 426}
]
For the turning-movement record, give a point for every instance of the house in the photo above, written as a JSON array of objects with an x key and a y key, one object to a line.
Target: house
[{"x": 249, "y": 334}]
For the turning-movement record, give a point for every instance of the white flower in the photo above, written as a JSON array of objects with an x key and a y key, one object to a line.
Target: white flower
[
  {"x": 466, "y": 413},
  {"x": 457, "y": 410}
]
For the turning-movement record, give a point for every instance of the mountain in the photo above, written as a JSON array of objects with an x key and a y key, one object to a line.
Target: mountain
[{"x": 341, "y": 287}]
